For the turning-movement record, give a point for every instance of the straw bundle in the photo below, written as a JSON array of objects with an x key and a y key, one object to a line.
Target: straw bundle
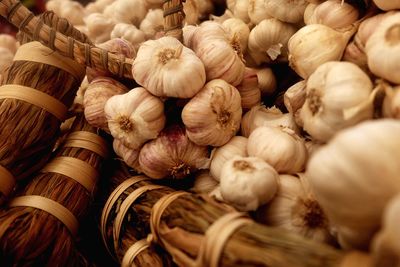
[
  {"x": 38, "y": 227},
  {"x": 198, "y": 231}
]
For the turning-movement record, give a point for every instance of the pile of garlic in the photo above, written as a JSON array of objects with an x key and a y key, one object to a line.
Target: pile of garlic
[{"x": 321, "y": 163}]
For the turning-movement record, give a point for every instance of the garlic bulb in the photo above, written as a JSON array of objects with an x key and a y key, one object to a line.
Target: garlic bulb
[
  {"x": 55, "y": 5},
  {"x": 249, "y": 92},
  {"x": 383, "y": 48},
  {"x": 135, "y": 117},
  {"x": 391, "y": 103},
  {"x": 73, "y": 11},
  {"x": 130, "y": 33},
  {"x": 295, "y": 209},
  {"x": 339, "y": 95},
  {"x": 237, "y": 146},
  {"x": 212, "y": 117},
  {"x": 368, "y": 26},
  {"x": 97, "y": 6},
  {"x": 6, "y": 58},
  {"x": 204, "y": 182},
  {"x": 354, "y": 177},
  {"x": 355, "y": 54},
  {"x": 126, "y": 11},
  {"x": 333, "y": 13},
  {"x": 286, "y": 10},
  {"x": 9, "y": 42},
  {"x": 95, "y": 97},
  {"x": 314, "y": 45},
  {"x": 387, "y": 4},
  {"x": 261, "y": 116},
  {"x": 266, "y": 81},
  {"x": 221, "y": 53},
  {"x": 282, "y": 148},
  {"x": 248, "y": 182},
  {"x": 312, "y": 146},
  {"x": 386, "y": 244},
  {"x": 167, "y": 68},
  {"x": 295, "y": 96},
  {"x": 237, "y": 29},
  {"x": 128, "y": 155},
  {"x": 188, "y": 32},
  {"x": 268, "y": 40},
  {"x": 99, "y": 27},
  {"x": 172, "y": 155},
  {"x": 152, "y": 23},
  {"x": 239, "y": 9},
  {"x": 257, "y": 11}
]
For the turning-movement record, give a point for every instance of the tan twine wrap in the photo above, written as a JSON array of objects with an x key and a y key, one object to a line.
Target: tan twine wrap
[
  {"x": 50, "y": 206},
  {"x": 137, "y": 248},
  {"x": 36, "y": 98},
  {"x": 7, "y": 181},
  {"x": 89, "y": 141}
]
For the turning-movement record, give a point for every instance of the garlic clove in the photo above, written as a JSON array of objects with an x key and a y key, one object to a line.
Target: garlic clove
[
  {"x": 172, "y": 155},
  {"x": 237, "y": 146},
  {"x": 249, "y": 91},
  {"x": 248, "y": 182},
  {"x": 135, "y": 117},
  {"x": 213, "y": 116},
  {"x": 159, "y": 60},
  {"x": 282, "y": 148}
]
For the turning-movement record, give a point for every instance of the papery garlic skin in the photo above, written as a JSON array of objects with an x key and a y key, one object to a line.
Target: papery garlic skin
[
  {"x": 95, "y": 97},
  {"x": 313, "y": 45},
  {"x": 386, "y": 244},
  {"x": 237, "y": 146},
  {"x": 295, "y": 96},
  {"x": 268, "y": 40},
  {"x": 286, "y": 10},
  {"x": 257, "y": 11},
  {"x": 172, "y": 155},
  {"x": 212, "y": 117},
  {"x": 130, "y": 33},
  {"x": 354, "y": 177},
  {"x": 383, "y": 49},
  {"x": 282, "y": 148},
  {"x": 238, "y": 29},
  {"x": 219, "y": 51},
  {"x": 135, "y": 117},
  {"x": 261, "y": 116},
  {"x": 387, "y": 4},
  {"x": 128, "y": 155},
  {"x": 168, "y": 69},
  {"x": 295, "y": 209},
  {"x": 339, "y": 95},
  {"x": 152, "y": 23},
  {"x": 204, "y": 182},
  {"x": 248, "y": 182}
]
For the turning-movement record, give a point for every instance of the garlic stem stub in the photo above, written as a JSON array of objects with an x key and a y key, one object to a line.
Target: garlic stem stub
[
  {"x": 166, "y": 68},
  {"x": 213, "y": 116},
  {"x": 172, "y": 155}
]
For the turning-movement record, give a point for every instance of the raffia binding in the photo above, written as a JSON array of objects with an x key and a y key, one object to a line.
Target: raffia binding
[
  {"x": 133, "y": 251},
  {"x": 89, "y": 141},
  {"x": 36, "y": 52},
  {"x": 76, "y": 169},
  {"x": 34, "y": 97},
  {"x": 7, "y": 181},
  {"x": 50, "y": 206}
]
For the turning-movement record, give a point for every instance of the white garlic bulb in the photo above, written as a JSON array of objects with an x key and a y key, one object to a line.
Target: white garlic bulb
[
  {"x": 188, "y": 32},
  {"x": 295, "y": 96},
  {"x": 338, "y": 95},
  {"x": 204, "y": 182},
  {"x": 73, "y": 11},
  {"x": 167, "y": 68},
  {"x": 286, "y": 10},
  {"x": 238, "y": 30},
  {"x": 97, "y": 6},
  {"x": 221, "y": 54},
  {"x": 268, "y": 40},
  {"x": 9, "y": 42},
  {"x": 266, "y": 81},
  {"x": 55, "y": 5},
  {"x": 391, "y": 102},
  {"x": 237, "y": 146},
  {"x": 282, "y": 148},
  {"x": 172, "y": 155},
  {"x": 248, "y": 182},
  {"x": 333, "y": 13},
  {"x": 257, "y": 11},
  {"x": 315, "y": 44},
  {"x": 135, "y": 117},
  {"x": 99, "y": 27},
  {"x": 239, "y": 9},
  {"x": 387, "y": 4},
  {"x": 126, "y": 11},
  {"x": 95, "y": 97},
  {"x": 383, "y": 49},
  {"x": 152, "y": 23},
  {"x": 261, "y": 116},
  {"x": 212, "y": 117},
  {"x": 128, "y": 155},
  {"x": 354, "y": 176},
  {"x": 386, "y": 244},
  {"x": 130, "y": 33},
  {"x": 248, "y": 89},
  {"x": 295, "y": 209}
]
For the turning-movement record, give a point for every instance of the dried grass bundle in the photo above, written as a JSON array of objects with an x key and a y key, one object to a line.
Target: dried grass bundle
[
  {"x": 31, "y": 236},
  {"x": 198, "y": 231}
]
